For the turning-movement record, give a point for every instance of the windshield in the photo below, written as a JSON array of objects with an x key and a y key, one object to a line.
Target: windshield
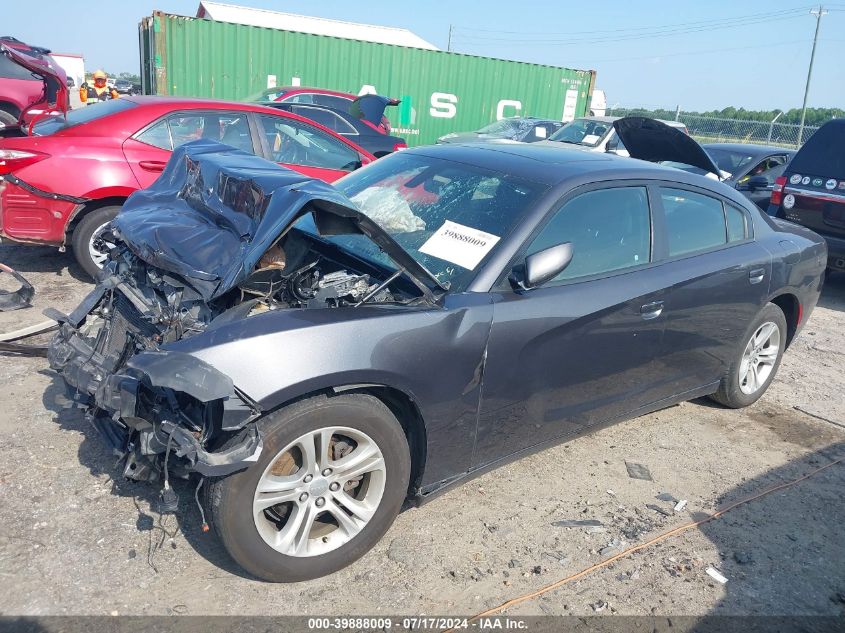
[
  {"x": 80, "y": 116},
  {"x": 587, "y": 132},
  {"x": 730, "y": 161},
  {"x": 506, "y": 128},
  {"x": 448, "y": 216}
]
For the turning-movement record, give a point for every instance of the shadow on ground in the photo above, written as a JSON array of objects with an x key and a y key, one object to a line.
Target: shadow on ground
[
  {"x": 26, "y": 258},
  {"x": 789, "y": 539},
  {"x": 833, "y": 292}
]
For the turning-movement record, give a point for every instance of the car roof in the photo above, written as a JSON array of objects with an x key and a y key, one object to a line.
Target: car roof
[
  {"x": 553, "y": 166},
  {"x": 751, "y": 148},
  {"x": 324, "y": 91},
  {"x": 161, "y": 100},
  {"x": 611, "y": 119},
  {"x": 531, "y": 118},
  {"x": 546, "y": 164}
]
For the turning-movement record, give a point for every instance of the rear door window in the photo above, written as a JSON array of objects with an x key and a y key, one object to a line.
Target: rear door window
[
  {"x": 694, "y": 222},
  {"x": 737, "y": 224},
  {"x": 324, "y": 118},
  {"x": 294, "y": 142},
  {"x": 231, "y": 128},
  {"x": 330, "y": 101}
]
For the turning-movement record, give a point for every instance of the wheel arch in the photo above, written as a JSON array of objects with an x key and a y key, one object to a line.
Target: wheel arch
[
  {"x": 84, "y": 209},
  {"x": 790, "y": 305},
  {"x": 10, "y": 106},
  {"x": 401, "y": 404}
]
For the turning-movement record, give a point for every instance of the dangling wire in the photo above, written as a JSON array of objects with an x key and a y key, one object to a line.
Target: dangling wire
[{"x": 199, "y": 505}]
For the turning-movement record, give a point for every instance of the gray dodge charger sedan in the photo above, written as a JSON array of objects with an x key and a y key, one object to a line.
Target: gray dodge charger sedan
[{"x": 315, "y": 357}]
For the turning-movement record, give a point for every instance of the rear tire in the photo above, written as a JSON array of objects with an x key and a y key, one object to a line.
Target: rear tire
[
  {"x": 750, "y": 373},
  {"x": 256, "y": 536},
  {"x": 7, "y": 119},
  {"x": 84, "y": 235}
]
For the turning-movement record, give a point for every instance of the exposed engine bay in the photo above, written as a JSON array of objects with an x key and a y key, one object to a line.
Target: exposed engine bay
[
  {"x": 185, "y": 259},
  {"x": 139, "y": 308}
]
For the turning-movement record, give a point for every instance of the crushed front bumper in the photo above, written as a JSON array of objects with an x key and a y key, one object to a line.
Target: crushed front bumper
[{"x": 138, "y": 403}]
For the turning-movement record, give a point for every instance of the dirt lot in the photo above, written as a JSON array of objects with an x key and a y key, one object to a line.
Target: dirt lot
[{"x": 75, "y": 541}]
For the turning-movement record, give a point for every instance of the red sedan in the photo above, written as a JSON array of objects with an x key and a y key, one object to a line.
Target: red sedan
[{"x": 69, "y": 178}]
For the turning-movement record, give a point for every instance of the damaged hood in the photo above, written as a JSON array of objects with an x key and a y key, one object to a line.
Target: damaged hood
[
  {"x": 215, "y": 210},
  {"x": 652, "y": 140}
]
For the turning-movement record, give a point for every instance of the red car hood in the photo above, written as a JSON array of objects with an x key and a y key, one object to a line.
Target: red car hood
[{"x": 55, "y": 89}]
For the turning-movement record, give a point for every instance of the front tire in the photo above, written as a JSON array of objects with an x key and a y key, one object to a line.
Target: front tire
[
  {"x": 756, "y": 360},
  {"x": 85, "y": 236},
  {"x": 332, "y": 476}
]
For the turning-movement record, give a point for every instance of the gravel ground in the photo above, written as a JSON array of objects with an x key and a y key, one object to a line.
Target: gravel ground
[{"x": 75, "y": 541}]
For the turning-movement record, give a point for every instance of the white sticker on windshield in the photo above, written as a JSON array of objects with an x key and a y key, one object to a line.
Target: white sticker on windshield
[
  {"x": 459, "y": 244},
  {"x": 590, "y": 139}
]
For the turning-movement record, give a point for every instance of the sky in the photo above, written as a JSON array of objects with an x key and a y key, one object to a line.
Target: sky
[{"x": 647, "y": 53}]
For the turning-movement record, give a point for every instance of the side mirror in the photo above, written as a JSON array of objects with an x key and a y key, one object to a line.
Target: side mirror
[
  {"x": 612, "y": 144},
  {"x": 757, "y": 182},
  {"x": 541, "y": 267}
]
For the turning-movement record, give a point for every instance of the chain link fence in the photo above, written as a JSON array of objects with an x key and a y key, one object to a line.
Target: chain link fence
[
  {"x": 717, "y": 130},
  {"x": 713, "y": 129}
]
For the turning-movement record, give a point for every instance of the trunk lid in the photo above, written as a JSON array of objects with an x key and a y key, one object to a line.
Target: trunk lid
[
  {"x": 814, "y": 192},
  {"x": 55, "y": 87},
  {"x": 370, "y": 109}
]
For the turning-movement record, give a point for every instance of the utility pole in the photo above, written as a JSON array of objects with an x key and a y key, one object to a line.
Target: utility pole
[
  {"x": 818, "y": 13},
  {"x": 449, "y": 43}
]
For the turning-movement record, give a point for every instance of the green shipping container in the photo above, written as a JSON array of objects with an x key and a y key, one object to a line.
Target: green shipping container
[{"x": 441, "y": 92}]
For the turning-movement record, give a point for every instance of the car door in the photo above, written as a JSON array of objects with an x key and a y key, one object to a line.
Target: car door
[
  {"x": 306, "y": 148},
  {"x": 769, "y": 168},
  {"x": 148, "y": 150},
  {"x": 580, "y": 349},
  {"x": 717, "y": 280}
]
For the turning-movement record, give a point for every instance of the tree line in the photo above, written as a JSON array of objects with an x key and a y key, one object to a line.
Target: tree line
[{"x": 815, "y": 116}]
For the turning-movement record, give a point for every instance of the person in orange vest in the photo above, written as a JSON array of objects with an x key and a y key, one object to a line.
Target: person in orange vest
[{"x": 98, "y": 92}]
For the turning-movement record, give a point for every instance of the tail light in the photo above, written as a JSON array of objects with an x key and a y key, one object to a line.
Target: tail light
[
  {"x": 777, "y": 190},
  {"x": 14, "y": 159},
  {"x": 399, "y": 146}
]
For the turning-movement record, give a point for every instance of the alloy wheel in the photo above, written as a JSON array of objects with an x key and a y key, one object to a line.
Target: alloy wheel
[
  {"x": 319, "y": 492},
  {"x": 98, "y": 249},
  {"x": 759, "y": 358}
]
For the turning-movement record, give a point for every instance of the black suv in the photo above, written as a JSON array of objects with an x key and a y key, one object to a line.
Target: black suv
[{"x": 811, "y": 191}]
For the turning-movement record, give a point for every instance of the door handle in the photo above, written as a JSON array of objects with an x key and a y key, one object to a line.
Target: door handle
[
  {"x": 755, "y": 276},
  {"x": 651, "y": 310},
  {"x": 152, "y": 165}
]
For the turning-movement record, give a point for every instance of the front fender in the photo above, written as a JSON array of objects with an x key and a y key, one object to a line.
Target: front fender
[{"x": 434, "y": 355}]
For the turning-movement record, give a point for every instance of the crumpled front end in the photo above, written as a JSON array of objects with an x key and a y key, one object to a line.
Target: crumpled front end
[
  {"x": 211, "y": 242},
  {"x": 143, "y": 398}
]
